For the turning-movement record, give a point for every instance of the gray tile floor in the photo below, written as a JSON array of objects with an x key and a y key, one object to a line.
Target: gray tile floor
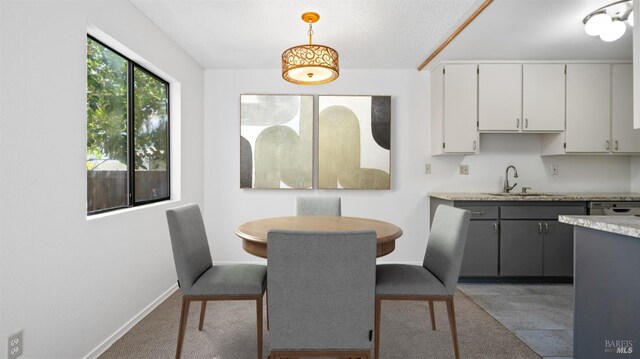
[{"x": 541, "y": 315}]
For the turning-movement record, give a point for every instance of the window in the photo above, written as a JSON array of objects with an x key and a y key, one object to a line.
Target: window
[{"x": 127, "y": 132}]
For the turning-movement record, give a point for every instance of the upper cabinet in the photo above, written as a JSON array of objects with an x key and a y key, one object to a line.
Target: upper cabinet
[
  {"x": 454, "y": 109},
  {"x": 543, "y": 97},
  {"x": 521, "y": 98},
  {"x": 500, "y": 97},
  {"x": 636, "y": 64},
  {"x": 599, "y": 115},
  {"x": 584, "y": 108},
  {"x": 588, "y": 108},
  {"x": 624, "y": 138}
]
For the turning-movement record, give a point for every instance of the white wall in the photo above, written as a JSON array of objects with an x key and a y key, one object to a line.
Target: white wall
[
  {"x": 577, "y": 173},
  {"x": 406, "y": 204},
  {"x": 228, "y": 205},
  {"x": 69, "y": 282}
]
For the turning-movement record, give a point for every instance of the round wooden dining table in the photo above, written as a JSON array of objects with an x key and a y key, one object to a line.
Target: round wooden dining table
[{"x": 254, "y": 233}]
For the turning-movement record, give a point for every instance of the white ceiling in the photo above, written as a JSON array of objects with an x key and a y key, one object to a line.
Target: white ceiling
[
  {"x": 252, "y": 34},
  {"x": 536, "y": 30}
]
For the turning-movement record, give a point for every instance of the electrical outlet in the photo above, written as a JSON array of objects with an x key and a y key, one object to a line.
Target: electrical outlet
[
  {"x": 14, "y": 345},
  {"x": 427, "y": 168},
  {"x": 554, "y": 169},
  {"x": 464, "y": 169}
]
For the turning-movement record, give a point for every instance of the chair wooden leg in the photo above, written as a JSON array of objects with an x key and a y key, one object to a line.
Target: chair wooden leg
[
  {"x": 184, "y": 315},
  {"x": 452, "y": 324},
  {"x": 376, "y": 341},
  {"x": 259, "y": 324},
  {"x": 203, "y": 308},
  {"x": 433, "y": 316}
]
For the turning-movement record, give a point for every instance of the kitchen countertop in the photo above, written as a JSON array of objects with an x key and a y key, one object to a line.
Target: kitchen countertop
[
  {"x": 546, "y": 196},
  {"x": 625, "y": 225}
]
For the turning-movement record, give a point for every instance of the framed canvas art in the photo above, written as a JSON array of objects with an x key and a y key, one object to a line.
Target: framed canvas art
[
  {"x": 354, "y": 142},
  {"x": 276, "y": 141}
]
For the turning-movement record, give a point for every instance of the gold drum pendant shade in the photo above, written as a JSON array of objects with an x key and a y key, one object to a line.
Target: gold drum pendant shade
[{"x": 311, "y": 64}]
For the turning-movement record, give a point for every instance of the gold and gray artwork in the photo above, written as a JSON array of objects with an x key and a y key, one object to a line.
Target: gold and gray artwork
[
  {"x": 354, "y": 142},
  {"x": 276, "y": 141}
]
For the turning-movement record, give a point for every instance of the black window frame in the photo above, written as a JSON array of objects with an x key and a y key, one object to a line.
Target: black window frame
[{"x": 132, "y": 66}]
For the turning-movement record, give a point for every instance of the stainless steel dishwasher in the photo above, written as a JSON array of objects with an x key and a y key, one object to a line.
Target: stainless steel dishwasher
[{"x": 614, "y": 208}]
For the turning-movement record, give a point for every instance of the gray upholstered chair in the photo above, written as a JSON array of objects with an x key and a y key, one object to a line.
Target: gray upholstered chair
[
  {"x": 321, "y": 293},
  {"x": 199, "y": 280},
  {"x": 436, "y": 279},
  {"x": 318, "y": 206}
]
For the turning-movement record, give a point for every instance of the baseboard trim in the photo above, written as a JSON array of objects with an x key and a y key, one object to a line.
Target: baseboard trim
[{"x": 107, "y": 343}]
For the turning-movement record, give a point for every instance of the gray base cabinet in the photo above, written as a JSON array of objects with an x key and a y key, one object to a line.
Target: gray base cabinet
[
  {"x": 558, "y": 250},
  {"x": 513, "y": 239},
  {"x": 481, "y": 250},
  {"x": 521, "y": 248}
]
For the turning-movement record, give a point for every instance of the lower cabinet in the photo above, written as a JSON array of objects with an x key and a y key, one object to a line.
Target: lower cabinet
[
  {"x": 558, "y": 249},
  {"x": 532, "y": 241},
  {"x": 536, "y": 248},
  {"x": 481, "y": 250},
  {"x": 517, "y": 239},
  {"x": 521, "y": 248}
]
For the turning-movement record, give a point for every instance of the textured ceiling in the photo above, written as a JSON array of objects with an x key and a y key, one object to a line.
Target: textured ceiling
[
  {"x": 369, "y": 34},
  {"x": 536, "y": 30},
  {"x": 253, "y": 34}
]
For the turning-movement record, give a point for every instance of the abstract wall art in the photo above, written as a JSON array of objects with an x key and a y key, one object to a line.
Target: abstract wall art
[
  {"x": 276, "y": 141},
  {"x": 354, "y": 142}
]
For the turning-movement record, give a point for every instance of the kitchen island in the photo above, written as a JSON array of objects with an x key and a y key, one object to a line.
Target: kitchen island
[{"x": 606, "y": 286}]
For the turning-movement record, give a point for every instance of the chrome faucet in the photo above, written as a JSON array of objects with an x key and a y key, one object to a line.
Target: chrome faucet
[{"x": 506, "y": 188}]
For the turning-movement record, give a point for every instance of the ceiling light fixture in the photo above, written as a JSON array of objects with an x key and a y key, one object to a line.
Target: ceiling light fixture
[
  {"x": 310, "y": 64},
  {"x": 608, "y": 21}
]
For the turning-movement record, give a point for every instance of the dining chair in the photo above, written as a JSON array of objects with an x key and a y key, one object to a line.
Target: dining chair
[
  {"x": 321, "y": 293},
  {"x": 436, "y": 279},
  {"x": 199, "y": 280},
  {"x": 318, "y": 206}
]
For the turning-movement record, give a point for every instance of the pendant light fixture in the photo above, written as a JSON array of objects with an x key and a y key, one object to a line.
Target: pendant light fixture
[
  {"x": 310, "y": 64},
  {"x": 608, "y": 21}
]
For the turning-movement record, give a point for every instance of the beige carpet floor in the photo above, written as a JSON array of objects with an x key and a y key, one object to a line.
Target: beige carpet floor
[{"x": 229, "y": 333}]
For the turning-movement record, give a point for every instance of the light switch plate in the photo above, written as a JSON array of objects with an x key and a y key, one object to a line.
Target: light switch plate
[
  {"x": 464, "y": 169},
  {"x": 427, "y": 168},
  {"x": 554, "y": 169}
]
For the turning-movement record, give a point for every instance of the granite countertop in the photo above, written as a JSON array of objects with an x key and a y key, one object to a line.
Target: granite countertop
[
  {"x": 625, "y": 225},
  {"x": 546, "y": 196}
]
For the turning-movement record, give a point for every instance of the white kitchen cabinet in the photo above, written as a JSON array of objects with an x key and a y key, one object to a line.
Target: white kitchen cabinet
[
  {"x": 521, "y": 98},
  {"x": 454, "y": 109},
  {"x": 599, "y": 112},
  {"x": 543, "y": 92},
  {"x": 500, "y": 97},
  {"x": 588, "y": 108},
  {"x": 624, "y": 138},
  {"x": 636, "y": 64}
]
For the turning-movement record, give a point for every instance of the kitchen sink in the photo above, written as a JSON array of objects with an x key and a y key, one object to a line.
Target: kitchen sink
[{"x": 532, "y": 194}]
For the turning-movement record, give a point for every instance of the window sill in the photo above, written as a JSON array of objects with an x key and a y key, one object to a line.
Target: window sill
[{"x": 117, "y": 212}]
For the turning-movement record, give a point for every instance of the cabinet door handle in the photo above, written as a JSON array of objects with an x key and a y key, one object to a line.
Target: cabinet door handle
[
  {"x": 477, "y": 213},
  {"x": 474, "y": 145},
  {"x": 517, "y": 123},
  {"x": 495, "y": 228},
  {"x": 539, "y": 227},
  {"x": 526, "y": 123},
  {"x": 546, "y": 228},
  {"x": 615, "y": 145},
  {"x": 608, "y": 145}
]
